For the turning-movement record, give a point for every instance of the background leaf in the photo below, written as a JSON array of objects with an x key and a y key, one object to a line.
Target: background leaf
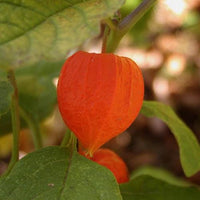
[
  {"x": 53, "y": 173},
  {"x": 6, "y": 91},
  {"x": 187, "y": 142},
  {"x": 32, "y": 31},
  {"x": 37, "y": 96},
  {"x": 146, "y": 187},
  {"x": 37, "y": 93},
  {"x": 160, "y": 174}
]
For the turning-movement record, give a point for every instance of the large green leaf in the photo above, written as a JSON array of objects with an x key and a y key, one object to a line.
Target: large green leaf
[
  {"x": 36, "y": 30},
  {"x": 188, "y": 145},
  {"x": 6, "y": 91},
  {"x": 146, "y": 187},
  {"x": 53, "y": 173}
]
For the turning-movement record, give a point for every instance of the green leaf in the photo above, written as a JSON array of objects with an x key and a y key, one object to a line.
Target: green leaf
[
  {"x": 5, "y": 124},
  {"x": 37, "y": 96},
  {"x": 53, "y": 173},
  {"x": 160, "y": 174},
  {"x": 6, "y": 91},
  {"x": 36, "y": 30},
  {"x": 188, "y": 145},
  {"x": 146, "y": 187},
  {"x": 37, "y": 93},
  {"x": 42, "y": 69}
]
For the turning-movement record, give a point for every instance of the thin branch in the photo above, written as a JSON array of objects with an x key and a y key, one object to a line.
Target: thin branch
[
  {"x": 129, "y": 21},
  {"x": 126, "y": 24}
]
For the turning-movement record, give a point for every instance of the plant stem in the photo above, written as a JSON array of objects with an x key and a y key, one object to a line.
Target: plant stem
[
  {"x": 66, "y": 139},
  {"x": 129, "y": 21},
  {"x": 126, "y": 24},
  {"x": 110, "y": 24},
  {"x": 105, "y": 36},
  {"x": 69, "y": 140},
  {"x": 34, "y": 127},
  {"x": 73, "y": 142},
  {"x": 15, "y": 122}
]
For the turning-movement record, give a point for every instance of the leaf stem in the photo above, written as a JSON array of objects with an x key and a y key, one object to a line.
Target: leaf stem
[
  {"x": 15, "y": 122},
  {"x": 126, "y": 24},
  {"x": 34, "y": 127}
]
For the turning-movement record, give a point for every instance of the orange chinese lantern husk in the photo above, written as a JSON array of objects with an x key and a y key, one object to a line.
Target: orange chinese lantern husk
[
  {"x": 99, "y": 96},
  {"x": 113, "y": 162}
]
